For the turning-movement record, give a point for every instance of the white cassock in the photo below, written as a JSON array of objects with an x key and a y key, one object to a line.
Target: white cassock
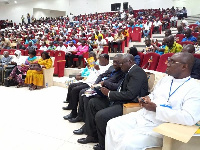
[{"x": 134, "y": 131}]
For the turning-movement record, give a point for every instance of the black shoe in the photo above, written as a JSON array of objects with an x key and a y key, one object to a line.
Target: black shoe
[
  {"x": 69, "y": 116},
  {"x": 78, "y": 132},
  {"x": 66, "y": 108},
  {"x": 88, "y": 139},
  {"x": 98, "y": 147},
  {"x": 77, "y": 119},
  {"x": 66, "y": 101}
]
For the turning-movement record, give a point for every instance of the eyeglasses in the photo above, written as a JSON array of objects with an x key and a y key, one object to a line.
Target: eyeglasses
[{"x": 171, "y": 61}]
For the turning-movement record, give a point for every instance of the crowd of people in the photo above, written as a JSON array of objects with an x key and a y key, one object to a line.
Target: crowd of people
[
  {"x": 24, "y": 72},
  {"x": 89, "y": 32},
  {"x": 101, "y": 89}
]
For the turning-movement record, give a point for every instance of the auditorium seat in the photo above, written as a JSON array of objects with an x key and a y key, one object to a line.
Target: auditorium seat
[
  {"x": 136, "y": 34},
  {"x": 39, "y": 52},
  {"x": 195, "y": 34},
  {"x": 22, "y": 52},
  {"x": 12, "y": 51},
  {"x": 51, "y": 53},
  {"x": 2, "y": 51},
  {"x": 197, "y": 56},
  {"x": 162, "y": 64},
  {"x": 85, "y": 56},
  {"x": 141, "y": 57},
  {"x": 105, "y": 49},
  {"x": 150, "y": 61},
  {"x": 192, "y": 26},
  {"x": 186, "y": 43},
  {"x": 179, "y": 37},
  {"x": 59, "y": 57},
  {"x": 48, "y": 76}
]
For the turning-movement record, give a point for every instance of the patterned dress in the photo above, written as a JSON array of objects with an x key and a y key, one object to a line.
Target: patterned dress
[
  {"x": 36, "y": 76},
  {"x": 18, "y": 74}
]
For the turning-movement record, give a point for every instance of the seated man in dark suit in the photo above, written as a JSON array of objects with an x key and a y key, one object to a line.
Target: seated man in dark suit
[
  {"x": 75, "y": 88},
  {"x": 195, "y": 73},
  {"x": 101, "y": 110},
  {"x": 111, "y": 79}
]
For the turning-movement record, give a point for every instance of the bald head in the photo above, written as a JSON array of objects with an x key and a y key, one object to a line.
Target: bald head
[
  {"x": 189, "y": 48},
  {"x": 180, "y": 65},
  {"x": 187, "y": 58},
  {"x": 118, "y": 56},
  {"x": 129, "y": 57},
  {"x": 127, "y": 62}
]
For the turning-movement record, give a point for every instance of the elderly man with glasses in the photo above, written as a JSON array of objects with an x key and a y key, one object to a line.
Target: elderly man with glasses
[{"x": 175, "y": 99}]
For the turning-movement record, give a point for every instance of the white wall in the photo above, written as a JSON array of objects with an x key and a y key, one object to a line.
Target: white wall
[
  {"x": 192, "y": 6},
  {"x": 15, "y": 11},
  {"x": 38, "y": 13},
  {"x": 91, "y": 6}
]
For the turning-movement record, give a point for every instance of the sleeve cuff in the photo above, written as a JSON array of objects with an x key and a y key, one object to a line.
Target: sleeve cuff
[{"x": 109, "y": 94}]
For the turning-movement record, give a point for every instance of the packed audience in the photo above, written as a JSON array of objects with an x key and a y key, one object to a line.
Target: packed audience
[{"x": 101, "y": 89}]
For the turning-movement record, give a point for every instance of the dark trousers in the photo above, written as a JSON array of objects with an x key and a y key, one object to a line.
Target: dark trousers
[
  {"x": 71, "y": 57},
  {"x": 73, "y": 95},
  {"x": 164, "y": 26},
  {"x": 118, "y": 43},
  {"x": 83, "y": 103},
  {"x": 98, "y": 114},
  {"x": 109, "y": 48},
  {"x": 67, "y": 64},
  {"x": 156, "y": 29}
]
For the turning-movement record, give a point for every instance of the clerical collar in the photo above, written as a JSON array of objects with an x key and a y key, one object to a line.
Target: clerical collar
[{"x": 181, "y": 80}]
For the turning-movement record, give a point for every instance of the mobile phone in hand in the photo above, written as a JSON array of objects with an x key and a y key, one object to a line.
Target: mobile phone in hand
[{"x": 142, "y": 100}]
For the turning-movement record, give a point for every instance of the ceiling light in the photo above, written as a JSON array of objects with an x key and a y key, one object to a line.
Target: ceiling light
[{"x": 15, "y": 2}]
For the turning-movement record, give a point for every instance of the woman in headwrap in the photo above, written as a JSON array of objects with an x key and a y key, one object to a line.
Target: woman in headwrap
[{"x": 19, "y": 72}]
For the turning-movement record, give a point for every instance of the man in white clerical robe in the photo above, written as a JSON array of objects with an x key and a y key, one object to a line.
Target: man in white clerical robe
[{"x": 175, "y": 99}]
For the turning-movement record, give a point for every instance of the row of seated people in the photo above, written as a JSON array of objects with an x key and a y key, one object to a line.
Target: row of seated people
[
  {"x": 94, "y": 45},
  {"x": 172, "y": 43},
  {"x": 23, "y": 71},
  {"x": 170, "y": 47},
  {"x": 102, "y": 95},
  {"x": 30, "y": 32}
]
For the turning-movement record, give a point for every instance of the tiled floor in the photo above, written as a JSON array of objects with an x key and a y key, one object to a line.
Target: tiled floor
[{"x": 33, "y": 120}]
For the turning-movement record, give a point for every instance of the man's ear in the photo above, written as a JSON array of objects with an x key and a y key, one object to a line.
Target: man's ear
[{"x": 185, "y": 66}]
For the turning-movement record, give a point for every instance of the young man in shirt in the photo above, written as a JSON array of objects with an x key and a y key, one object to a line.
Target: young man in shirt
[
  {"x": 100, "y": 43},
  {"x": 172, "y": 46},
  {"x": 189, "y": 36},
  {"x": 61, "y": 47},
  {"x": 118, "y": 38}
]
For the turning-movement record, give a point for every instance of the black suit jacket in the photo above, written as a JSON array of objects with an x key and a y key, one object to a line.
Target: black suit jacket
[
  {"x": 135, "y": 84},
  {"x": 196, "y": 69},
  {"x": 114, "y": 78}
]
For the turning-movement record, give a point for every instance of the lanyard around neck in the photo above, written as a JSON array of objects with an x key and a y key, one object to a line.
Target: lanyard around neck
[{"x": 170, "y": 94}]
